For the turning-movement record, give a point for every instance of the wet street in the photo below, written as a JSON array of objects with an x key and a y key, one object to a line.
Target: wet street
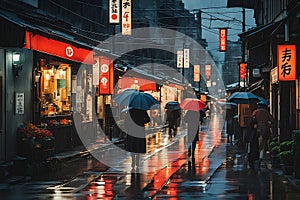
[{"x": 219, "y": 171}]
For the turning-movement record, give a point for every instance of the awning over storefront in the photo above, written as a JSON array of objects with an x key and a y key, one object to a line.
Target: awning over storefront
[
  {"x": 264, "y": 31},
  {"x": 136, "y": 83},
  {"x": 160, "y": 77},
  {"x": 22, "y": 32},
  {"x": 57, "y": 48}
]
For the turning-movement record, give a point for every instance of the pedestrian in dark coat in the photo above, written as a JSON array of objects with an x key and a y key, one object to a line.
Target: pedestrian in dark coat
[
  {"x": 229, "y": 125},
  {"x": 192, "y": 118},
  {"x": 173, "y": 120},
  {"x": 262, "y": 121},
  {"x": 135, "y": 141}
]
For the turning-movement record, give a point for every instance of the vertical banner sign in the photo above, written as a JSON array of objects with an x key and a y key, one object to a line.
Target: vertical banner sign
[
  {"x": 196, "y": 73},
  {"x": 222, "y": 39},
  {"x": 126, "y": 17},
  {"x": 286, "y": 58},
  {"x": 114, "y": 11},
  {"x": 179, "y": 59},
  {"x": 96, "y": 73},
  {"x": 207, "y": 71},
  {"x": 104, "y": 83},
  {"x": 19, "y": 103},
  {"x": 243, "y": 71},
  {"x": 186, "y": 55}
]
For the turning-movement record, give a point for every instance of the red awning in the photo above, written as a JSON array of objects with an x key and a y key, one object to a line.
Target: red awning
[
  {"x": 131, "y": 82},
  {"x": 57, "y": 48}
]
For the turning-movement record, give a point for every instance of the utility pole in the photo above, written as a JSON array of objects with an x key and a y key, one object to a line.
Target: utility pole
[{"x": 243, "y": 46}]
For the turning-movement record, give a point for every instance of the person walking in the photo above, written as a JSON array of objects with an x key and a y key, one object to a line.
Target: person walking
[
  {"x": 229, "y": 124},
  {"x": 262, "y": 120},
  {"x": 173, "y": 120},
  {"x": 135, "y": 142},
  {"x": 192, "y": 118}
]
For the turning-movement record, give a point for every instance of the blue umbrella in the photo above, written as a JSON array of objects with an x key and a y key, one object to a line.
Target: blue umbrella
[
  {"x": 243, "y": 98},
  {"x": 123, "y": 97},
  {"x": 136, "y": 99},
  {"x": 172, "y": 105},
  {"x": 263, "y": 101}
]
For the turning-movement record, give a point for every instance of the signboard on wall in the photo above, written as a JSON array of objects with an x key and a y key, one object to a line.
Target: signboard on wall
[
  {"x": 286, "y": 59},
  {"x": 19, "y": 103}
]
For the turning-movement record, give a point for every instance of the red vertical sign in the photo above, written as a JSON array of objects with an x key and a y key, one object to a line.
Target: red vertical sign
[
  {"x": 286, "y": 62},
  {"x": 106, "y": 66},
  {"x": 243, "y": 71},
  {"x": 223, "y": 39}
]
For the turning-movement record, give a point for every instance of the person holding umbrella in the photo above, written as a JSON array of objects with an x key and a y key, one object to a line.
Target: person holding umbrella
[
  {"x": 138, "y": 103},
  {"x": 135, "y": 121},
  {"x": 192, "y": 118},
  {"x": 262, "y": 119},
  {"x": 173, "y": 112}
]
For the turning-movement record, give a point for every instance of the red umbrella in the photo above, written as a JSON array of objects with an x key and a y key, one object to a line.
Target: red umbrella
[{"x": 192, "y": 104}]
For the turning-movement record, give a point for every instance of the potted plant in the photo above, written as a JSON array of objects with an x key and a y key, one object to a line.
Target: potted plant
[
  {"x": 32, "y": 138},
  {"x": 286, "y": 156}
]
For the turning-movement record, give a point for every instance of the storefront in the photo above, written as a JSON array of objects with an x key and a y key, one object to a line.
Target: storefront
[{"x": 54, "y": 79}]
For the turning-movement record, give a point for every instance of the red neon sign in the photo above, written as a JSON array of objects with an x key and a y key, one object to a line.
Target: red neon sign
[
  {"x": 222, "y": 39},
  {"x": 243, "y": 71}
]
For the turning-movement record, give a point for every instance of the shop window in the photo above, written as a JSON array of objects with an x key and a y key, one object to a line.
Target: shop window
[{"x": 56, "y": 90}]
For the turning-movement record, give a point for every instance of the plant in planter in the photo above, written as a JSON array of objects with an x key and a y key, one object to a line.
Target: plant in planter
[
  {"x": 274, "y": 149},
  {"x": 286, "y": 156},
  {"x": 32, "y": 137}
]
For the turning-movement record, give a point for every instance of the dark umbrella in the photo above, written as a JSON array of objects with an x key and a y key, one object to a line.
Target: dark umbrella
[
  {"x": 243, "y": 98},
  {"x": 136, "y": 99},
  {"x": 172, "y": 105}
]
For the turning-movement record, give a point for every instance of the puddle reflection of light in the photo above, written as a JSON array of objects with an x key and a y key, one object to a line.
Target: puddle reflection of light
[
  {"x": 250, "y": 196},
  {"x": 58, "y": 194},
  {"x": 172, "y": 191}
]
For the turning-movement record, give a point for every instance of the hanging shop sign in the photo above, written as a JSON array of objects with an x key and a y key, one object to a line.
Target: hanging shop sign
[
  {"x": 243, "y": 67},
  {"x": 114, "y": 11},
  {"x": 179, "y": 59},
  {"x": 57, "y": 48},
  {"x": 106, "y": 75},
  {"x": 207, "y": 71},
  {"x": 186, "y": 57},
  {"x": 286, "y": 58},
  {"x": 196, "y": 73},
  {"x": 222, "y": 39},
  {"x": 126, "y": 17},
  {"x": 274, "y": 75}
]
